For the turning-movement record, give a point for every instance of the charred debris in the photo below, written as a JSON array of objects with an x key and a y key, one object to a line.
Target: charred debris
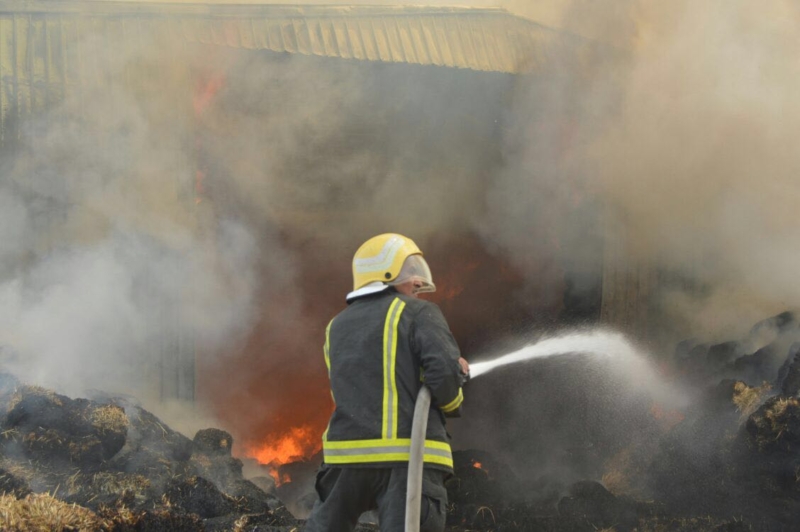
[
  {"x": 730, "y": 462},
  {"x": 80, "y": 464}
]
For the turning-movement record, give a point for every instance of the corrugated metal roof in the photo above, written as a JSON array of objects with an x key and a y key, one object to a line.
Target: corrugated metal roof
[
  {"x": 478, "y": 39},
  {"x": 43, "y": 48}
]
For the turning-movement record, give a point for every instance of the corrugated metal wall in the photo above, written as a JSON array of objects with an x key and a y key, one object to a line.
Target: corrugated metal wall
[{"x": 47, "y": 48}]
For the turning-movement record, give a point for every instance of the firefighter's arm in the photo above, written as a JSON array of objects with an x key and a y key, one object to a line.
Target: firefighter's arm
[{"x": 439, "y": 357}]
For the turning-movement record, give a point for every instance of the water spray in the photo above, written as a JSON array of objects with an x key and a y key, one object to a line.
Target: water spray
[
  {"x": 602, "y": 343},
  {"x": 598, "y": 342}
]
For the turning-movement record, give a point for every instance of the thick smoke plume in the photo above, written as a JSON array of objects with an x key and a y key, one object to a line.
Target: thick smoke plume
[
  {"x": 678, "y": 127},
  {"x": 695, "y": 168},
  {"x": 207, "y": 201},
  {"x": 110, "y": 270}
]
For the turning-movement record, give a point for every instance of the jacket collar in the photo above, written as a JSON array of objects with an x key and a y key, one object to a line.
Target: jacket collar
[{"x": 371, "y": 288}]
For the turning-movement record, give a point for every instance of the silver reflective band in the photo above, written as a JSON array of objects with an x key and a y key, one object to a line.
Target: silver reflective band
[
  {"x": 397, "y": 449},
  {"x": 383, "y": 260}
]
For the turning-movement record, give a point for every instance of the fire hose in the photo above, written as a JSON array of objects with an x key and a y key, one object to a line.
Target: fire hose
[
  {"x": 419, "y": 427},
  {"x": 415, "y": 460}
]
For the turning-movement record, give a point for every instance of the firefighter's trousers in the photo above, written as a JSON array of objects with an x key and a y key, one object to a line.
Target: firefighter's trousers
[{"x": 345, "y": 493}]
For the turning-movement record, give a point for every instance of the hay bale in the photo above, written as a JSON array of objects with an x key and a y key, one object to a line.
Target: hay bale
[
  {"x": 43, "y": 513},
  {"x": 107, "y": 488},
  {"x": 250, "y": 499},
  {"x": 122, "y": 517},
  {"x": 213, "y": 442},
  {"x": 776, "y": 425},
  {"x": 720, "y": 355},
  {"x": 197, "y": 495},
  {"x": 747, "y": 398},
  {"x": 789, "y": 374},
  {"x": 763, "y": 365},
  {"x": 38, "y": 479},
  {"x": 111, "y": 425},
  {"x": 32, "y": 406},
  {"x": 147, "y": 432},
  {"x": 167, "y": 518},
  {"x": 221, "y": 469},
  {"x": 151, "y": 449},
  {"x": 13, "y": 485},
  {"x": 55, "y": 428}
]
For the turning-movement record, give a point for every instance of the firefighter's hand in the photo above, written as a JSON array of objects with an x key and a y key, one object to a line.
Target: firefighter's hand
[{"x": 464, "y": 366}]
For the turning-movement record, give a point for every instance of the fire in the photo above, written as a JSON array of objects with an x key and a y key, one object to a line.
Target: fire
[
  {"x": 207, "y": 87},
  {"x": 298, "y": 443},
  {"x": 477, "y": 464},
  {"x": 205, "y": 90},
  {"x": 450, "y": 284}
]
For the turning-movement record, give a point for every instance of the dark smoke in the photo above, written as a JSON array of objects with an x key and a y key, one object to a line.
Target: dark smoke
[{"x": 211, "y": 207}]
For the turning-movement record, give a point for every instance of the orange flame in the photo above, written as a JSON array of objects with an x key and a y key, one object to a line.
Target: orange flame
[
  {"x": 298, "y": 443},
  {"x": 450, "y": 284},
  {"x": 207, "y": 87},
  {"x": 479, "y": 466}
]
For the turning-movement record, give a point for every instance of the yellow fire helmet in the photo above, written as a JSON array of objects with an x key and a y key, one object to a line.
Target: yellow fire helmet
[{"x": 391, "y": 259}]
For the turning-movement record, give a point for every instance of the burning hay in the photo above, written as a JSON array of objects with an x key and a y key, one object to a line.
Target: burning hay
[
  {"x": 729, "y": 462},
  {"x": 78, "y": 464}
]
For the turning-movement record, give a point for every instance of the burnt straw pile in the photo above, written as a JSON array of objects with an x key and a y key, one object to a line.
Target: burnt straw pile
[
  {"x": 728, "y": 462},
  {"x": 108, "y": 464}
]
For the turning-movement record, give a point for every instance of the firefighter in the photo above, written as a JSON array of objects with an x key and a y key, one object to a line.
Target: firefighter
[{"x": 379, "y": 351}]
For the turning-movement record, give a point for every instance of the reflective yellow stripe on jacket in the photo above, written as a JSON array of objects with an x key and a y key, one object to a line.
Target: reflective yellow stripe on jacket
[
  {"x": 384, "y": 450},
  {"x": 327, "y": 348},
  {"x": 389, "y": 448},
  {"x": 389, "y": 430},
  {"x": 327, "y": 352},
  {"x": 455, "y": 403}
]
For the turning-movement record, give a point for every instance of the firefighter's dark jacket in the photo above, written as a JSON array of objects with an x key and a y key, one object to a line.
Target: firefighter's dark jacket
[{"x": 379, "y": 350}]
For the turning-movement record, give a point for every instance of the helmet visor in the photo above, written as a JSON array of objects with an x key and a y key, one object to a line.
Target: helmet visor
[{"x": 416, "y": 269}]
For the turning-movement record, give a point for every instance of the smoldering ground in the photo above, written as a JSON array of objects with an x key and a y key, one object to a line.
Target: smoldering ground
[{"x": 212, "y": 198}]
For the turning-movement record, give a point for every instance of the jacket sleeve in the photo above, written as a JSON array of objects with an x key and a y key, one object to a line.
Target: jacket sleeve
[{"x": 439, "y": 353}]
